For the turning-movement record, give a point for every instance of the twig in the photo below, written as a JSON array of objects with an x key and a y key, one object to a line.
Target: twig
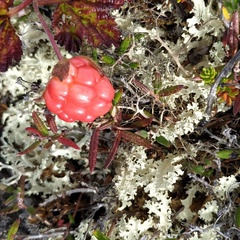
[{"x": 173, "y": 56}]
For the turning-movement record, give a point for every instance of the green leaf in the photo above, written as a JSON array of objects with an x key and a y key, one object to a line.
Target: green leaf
[
  {"x": 71, "y": 219},
  {"x": 124, "y": 45},
  {"x": 31, "y": 210},
  {"x": 142, "y": 133},
  {"x": 95, "y": 55},
  {"x": 39, "y": 124},
  {"x": 231, "y": 5},
  {"x": 108, "y": 59},
  {"x": 100, "y": 236},
  {"x": 228, "y": 153},
  {"x": 11, "y": 199},
  {"x": 117, "y": 97},
  {"x": 133, "y": 65},
  {"x": 13, "y": 230},
  {"x": 163, "y": 141}
]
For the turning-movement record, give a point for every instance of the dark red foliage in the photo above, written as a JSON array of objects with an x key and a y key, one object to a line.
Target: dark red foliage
[
  {"x": 78, "y": 20},
  {"x": 73, "y": 22},
  {"x": 10, "y": 44}
]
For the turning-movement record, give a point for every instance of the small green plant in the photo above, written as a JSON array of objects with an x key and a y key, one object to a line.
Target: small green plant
[
  {"x": 120, "y": 56},
  {"x": 204, "y": 169},
  {"x": 226, "y": 91}
]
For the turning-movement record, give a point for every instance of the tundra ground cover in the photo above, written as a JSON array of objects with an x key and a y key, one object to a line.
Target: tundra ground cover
[{"x": 175, "y": 175}]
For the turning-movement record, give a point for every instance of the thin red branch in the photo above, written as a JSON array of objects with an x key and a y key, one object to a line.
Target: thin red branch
[
  {"x": 13, "y": 11},
  {"x": 50, "y": 2},
  {"x": 47, "y": 31}
]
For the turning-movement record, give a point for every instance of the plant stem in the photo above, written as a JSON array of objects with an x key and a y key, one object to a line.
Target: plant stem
[
  {"x": 47, "y": 31},
  {"x": 50, "y": 2},
  {"x": 13, "y": 11},
  {"x": 19, "y": 7}
]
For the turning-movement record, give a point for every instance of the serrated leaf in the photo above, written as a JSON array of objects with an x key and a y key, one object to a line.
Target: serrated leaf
[
  {"x": 163, "y": 141},
  {"x": 10, "y": 44},
  {"x": 124, "y": 45},
  {"x": 68, "y": 142},
  {"x": 100, "y": 236},
  {"x": 170, "y": 90},
  {"x": 30, "y": 148},
  {"x": 13, "y": 230},
  {"x": 89, "y": 20},
  {"x": 39, "y": 124}
]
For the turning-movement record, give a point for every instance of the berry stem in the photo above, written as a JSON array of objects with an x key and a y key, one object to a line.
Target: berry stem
[
  {"x": 13, "y": 11},
  {"x": 47, "y": 31}
]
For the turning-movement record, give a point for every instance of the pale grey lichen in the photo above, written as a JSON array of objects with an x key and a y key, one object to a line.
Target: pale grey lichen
[{"x": 155, "y": 177}]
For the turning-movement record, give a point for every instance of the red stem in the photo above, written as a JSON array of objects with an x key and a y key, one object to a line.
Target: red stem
[
  {"x": 47, "y": 31},
  {"x": 13, "y": 11},
  {"x": 19, "y": 7}
]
